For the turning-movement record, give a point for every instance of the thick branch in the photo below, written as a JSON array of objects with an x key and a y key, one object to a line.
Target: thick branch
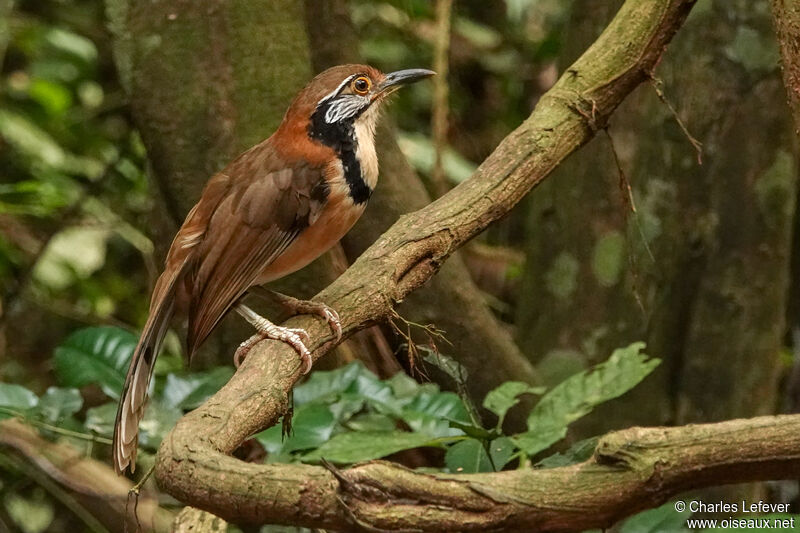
[
  {"x": 631, "y": 470},
  {"x": 192, "y": 462}
]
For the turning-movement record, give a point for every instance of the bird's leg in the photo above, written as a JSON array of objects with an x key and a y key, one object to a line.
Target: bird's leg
[
  {"x": 302, "y": 307},
  {"x": 294, "y": 337}
]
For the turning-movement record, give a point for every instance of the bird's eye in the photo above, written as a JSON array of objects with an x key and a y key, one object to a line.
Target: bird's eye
[{"x": 361, "y": 85}]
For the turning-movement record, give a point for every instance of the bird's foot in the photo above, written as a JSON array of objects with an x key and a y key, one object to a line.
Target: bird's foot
[
  {"x": 306, "y": 307},
  {"x": 294, "y": 337}
]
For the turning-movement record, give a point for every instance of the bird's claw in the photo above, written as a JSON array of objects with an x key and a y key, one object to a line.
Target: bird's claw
[
  {"x": 310, "y": 307},
  {"x": 332, "y": 318},
  {"x": 295, "y": 337}
]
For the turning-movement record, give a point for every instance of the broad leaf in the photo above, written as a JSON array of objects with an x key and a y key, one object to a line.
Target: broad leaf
[
  {"x": 501, "y": 450},
  {"x": 446, "y": 364},
  {"x": 188, "y": 392},
  {"x": 579, "y": 394},
  {"x": 312, "y": 425},
  {"x": 158, "y": 420},
  {"x": 324, "y": 383},
  {"x": 577, "y": 453},
  {"x": 541, "y": 438},
  {"x": 96, "y": 355},
  {"x": 474, "y": 431},
  {"x": 506, "y": 396},
  {"x": 403, "y": 386},
  {"x": 363, "y": 446},
  {"x": 346, "y": 405},
  {"x": 16, "y": 397},
  {"x": 431, "y": 414},
  {"x": 57, "y": 404},
  {"x": 371, "y": 422},
  {"x": 468, "y": 456},
  {"x": 100, "y": 419},
  {"x": 664, "y": 519},
  {"x": 373, "y": 390}
]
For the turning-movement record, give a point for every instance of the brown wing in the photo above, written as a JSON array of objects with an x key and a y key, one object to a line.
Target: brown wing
[{"x": 262, "y": 214}]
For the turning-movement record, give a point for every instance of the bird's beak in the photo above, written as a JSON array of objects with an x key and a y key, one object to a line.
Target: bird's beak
[{"x": 395, "y": 80}]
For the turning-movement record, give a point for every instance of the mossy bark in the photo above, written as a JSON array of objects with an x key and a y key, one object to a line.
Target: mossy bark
[{"x": 711, "y": 299}]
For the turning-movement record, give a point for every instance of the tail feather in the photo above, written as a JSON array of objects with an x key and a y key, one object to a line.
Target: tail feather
[{"x": 134, "y": 391}]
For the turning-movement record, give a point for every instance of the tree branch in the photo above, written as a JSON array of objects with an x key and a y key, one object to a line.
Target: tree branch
[{"x": 193, "y": 464}]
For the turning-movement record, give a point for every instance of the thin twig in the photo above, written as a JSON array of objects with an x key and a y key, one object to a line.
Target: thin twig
[
  {"x": 133, "y": 492},
  {"x": 698, "y": 146},
  {"x": 54, "y": 429},
  {"x": 624, "y": 185}
]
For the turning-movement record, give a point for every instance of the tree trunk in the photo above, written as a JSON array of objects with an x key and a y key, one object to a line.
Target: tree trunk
[{"x": 710, "y": 302}]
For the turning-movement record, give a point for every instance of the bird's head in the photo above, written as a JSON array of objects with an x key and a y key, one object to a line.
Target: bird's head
[{"x": 344, "y": 99}]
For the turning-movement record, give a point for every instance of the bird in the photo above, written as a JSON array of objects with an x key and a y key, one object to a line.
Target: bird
[{"x": 268, "y": 213}]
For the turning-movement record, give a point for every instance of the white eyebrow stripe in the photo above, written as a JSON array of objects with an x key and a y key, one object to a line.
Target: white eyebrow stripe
[{"x": 337, "y": 89}]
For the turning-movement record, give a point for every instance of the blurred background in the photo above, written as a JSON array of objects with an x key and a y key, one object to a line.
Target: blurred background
[{"x": 676, "y": 226}]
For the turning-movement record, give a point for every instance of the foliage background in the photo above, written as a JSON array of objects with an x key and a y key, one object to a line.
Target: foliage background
[{"x": 571, "y": 275}]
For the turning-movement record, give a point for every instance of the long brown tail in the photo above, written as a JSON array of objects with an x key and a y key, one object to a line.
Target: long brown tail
[{"x": 134, "y": 392}]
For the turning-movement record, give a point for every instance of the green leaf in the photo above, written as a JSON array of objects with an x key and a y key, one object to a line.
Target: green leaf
[
  {"x": 324, "y": 383},
  {"x": 101, "y": 419},
  {"x": 58, "y": 404},
  {"x": 577, "y": 453},
  {"x": 500, "y": 450},
  {"x": 312, "y": 425},
  {"x": 32, "y": 515},
  {"x": 72, "y": 44},
  {"x": 430, "y": 413},
  {"x": 403, "y": 386},
  {"x": 345, "y": 406},
  {"x": 16, "y": 397},
  {"x": 189, "y": 391},
  {"x": 157, "y": 422},
  {"x": 472, "y": 430},
  {"x": 420, "y": 152},
  {"x": 73, "y": 253},
  {"x": 372, "y": 389},
  {"x": 54, "y": 97},
  {"x": 446, "y": 364},
  {"x": 579, "y": 394},
  {"x": 506, "y": 396},
  {"x": 363, "y": 446},
  {"x": 96, "y": 355},
  {"x": 541, "y": 438},
  {"x": 468, "y": 456},
  {"x": 664, "y": 519},
  {"x": 371, "y": 422},
  {"x": 30, "y": 140}
]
